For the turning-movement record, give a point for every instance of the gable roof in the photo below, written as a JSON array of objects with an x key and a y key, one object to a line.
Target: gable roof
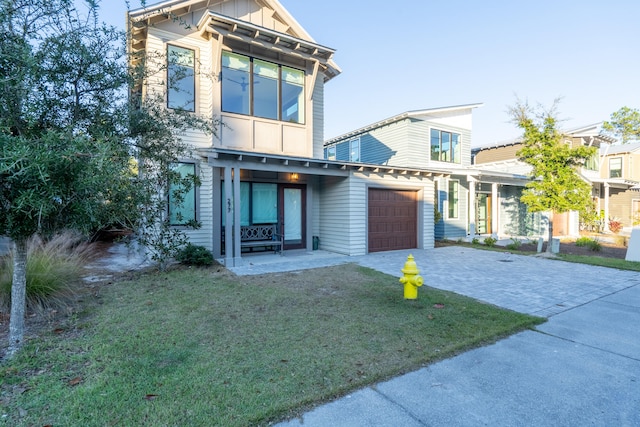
[
  {"x": 405, "y": 115},
  {"x": 294, "y": 40}
]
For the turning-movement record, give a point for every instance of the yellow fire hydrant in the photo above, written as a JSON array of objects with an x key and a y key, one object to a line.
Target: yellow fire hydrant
[{"x": 411, "y": 280}]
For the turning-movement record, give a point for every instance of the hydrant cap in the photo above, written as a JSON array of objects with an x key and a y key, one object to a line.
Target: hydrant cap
[{"x": 410, "y": 266}]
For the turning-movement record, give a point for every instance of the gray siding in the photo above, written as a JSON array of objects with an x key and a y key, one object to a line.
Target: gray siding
[
  {"x": 334, "y": 215},
  {"x": 318, "y": 117}
]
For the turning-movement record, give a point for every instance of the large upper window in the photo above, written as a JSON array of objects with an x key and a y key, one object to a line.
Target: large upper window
[
  {"x": 260, "y": 88},
  {"x": 182, "y": 204},
  {"x": 615, "y": 167},
  {"x": 445, "y": 146},
  {"x": 181, "y": 86}
]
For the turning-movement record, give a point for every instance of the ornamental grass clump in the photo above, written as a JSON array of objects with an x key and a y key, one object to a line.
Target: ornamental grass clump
[{"x": 54, "y": 271}]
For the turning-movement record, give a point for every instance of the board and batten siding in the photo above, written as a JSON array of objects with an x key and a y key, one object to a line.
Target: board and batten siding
[{"x": 157, "y": 41}]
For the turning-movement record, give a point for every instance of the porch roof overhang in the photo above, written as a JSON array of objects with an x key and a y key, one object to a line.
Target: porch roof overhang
[
  {"x": 496, "y": 177},
  {"x": 256, "y": 35},
  {"x": 625, "y": 184},
  {"x": 217, "y": 157}
]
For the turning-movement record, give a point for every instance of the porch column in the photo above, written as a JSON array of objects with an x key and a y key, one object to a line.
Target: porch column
[
  {"x": 228, "y": 218},
  {"x": 494, "y": 209},
  {"x": 216, "y": 248},
  {"x": 472, "y": 205},
  {"x": 237, "y": 249},
  {"x": 606, "y": 207}
]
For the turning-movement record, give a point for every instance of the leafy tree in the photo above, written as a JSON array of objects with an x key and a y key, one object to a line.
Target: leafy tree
[
  {"x": 624, "y": 124},
  {"x": 68, "y": 134},
  {"x": 556, "y": 185}
]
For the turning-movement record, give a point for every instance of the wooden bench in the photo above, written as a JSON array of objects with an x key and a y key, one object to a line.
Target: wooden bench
[{"x": 260, "y": 236}]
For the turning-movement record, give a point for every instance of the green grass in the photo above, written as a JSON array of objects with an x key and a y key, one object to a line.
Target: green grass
[
  {"x": 618, "y": 263},
  {"x": 198, "y": 347}
]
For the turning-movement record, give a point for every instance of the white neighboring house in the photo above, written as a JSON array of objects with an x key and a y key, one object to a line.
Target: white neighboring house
[{"x": 265, "y": 170}]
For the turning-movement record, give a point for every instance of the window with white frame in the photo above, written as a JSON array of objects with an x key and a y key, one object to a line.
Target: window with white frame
[
  {"x": 181, "y": 80},
  {"x": 354, "y": 150},
  {"x": 445, "y": 146},
  {"x": 331, "y": 153},
  {"x": 615, "y": 167},
  {"x": 182, "y": 194},
  {"x": 453, "y": 198},
  {"x": 255, "y": 87}
]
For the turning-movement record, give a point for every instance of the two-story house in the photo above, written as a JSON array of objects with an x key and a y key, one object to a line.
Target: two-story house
[
  {"x": 502, "y": 157},
  {"x": 469, "y": 198},
  {"x": 619, "y": 183},
  {"x": 251, "y": 64}
]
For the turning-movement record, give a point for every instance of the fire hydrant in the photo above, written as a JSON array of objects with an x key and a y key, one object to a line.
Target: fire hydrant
[{"x": 411, "y": 280}]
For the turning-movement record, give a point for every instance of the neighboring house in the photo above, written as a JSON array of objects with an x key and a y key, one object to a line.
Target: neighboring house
[
  {"x": 440, "y": 138},
  {"x": 619, "y": 183},
  {"x": 503, "y": 157},
  {"x": 265, "y": 168}
]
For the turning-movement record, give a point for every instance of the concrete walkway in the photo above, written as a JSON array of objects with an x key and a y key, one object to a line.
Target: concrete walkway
[{"x": 582, "y": 367}]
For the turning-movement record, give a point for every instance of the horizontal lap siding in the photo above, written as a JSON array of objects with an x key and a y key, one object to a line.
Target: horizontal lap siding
[{"x": 334, "y": 215}]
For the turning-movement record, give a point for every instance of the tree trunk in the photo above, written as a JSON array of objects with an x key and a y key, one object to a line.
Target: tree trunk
[
  {"x": 18, "y": 298},
  {"x": 550, "y": 241}
]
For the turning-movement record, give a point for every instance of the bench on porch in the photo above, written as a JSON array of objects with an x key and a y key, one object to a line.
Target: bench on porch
[
  {"x": 252, "y": 236},
  {"x": 260, "y": 236}
]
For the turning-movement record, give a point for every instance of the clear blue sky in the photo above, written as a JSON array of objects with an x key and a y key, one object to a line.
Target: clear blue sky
[{"x": 418, "y": 54}]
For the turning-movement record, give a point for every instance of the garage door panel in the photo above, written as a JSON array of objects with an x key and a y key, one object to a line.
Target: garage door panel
[{"x": 393, "y": 218}]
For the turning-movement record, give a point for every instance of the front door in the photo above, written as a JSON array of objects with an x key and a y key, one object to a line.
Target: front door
[
  {"x": 293, "y": 215},
  {"x": 483, "y": 212}
]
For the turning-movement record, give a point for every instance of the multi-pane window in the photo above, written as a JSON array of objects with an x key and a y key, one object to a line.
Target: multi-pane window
[
  {"x": 615, "y": 167},
  {"x": 592, "y": 162},
  {"x": 260, "y": 88},
  {"x": 182, "y": 195},
  {"x": 181, "y": 86},
  {"x": 258, "y": 203},
  {"x": 454, "y": 197},
  {"x": 445, "y": 146},
  {"x": 331, "y": 153}
]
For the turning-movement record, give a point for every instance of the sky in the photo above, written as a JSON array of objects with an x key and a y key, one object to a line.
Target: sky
[{"x": 420, "y": 54}]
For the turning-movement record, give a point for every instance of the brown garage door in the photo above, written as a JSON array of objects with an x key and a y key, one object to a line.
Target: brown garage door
[{"x": 393, "y": 219}]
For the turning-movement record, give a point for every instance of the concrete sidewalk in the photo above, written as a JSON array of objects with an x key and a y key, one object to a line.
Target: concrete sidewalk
[{"x": 582, "y": 367}]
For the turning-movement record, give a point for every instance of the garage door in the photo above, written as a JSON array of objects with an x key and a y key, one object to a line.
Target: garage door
[{"x": 393, "y": 219}]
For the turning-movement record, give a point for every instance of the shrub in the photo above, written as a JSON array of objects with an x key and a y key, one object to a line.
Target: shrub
[
  {"x": 615, "y": 226},
  {"x": 594, "y": 245},
  {"x": 514, "y": 245},
  {"x": 583, "y": 241},
  {"x": 475, "y": 241},
  {"x": 195, "y": 255},
  {"x": 490, "y": 241},
  {"x": 590, "y": 243},
  {"x": 54, "y": 271}
]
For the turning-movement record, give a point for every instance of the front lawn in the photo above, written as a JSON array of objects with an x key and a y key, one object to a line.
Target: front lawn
[{"x": 202, "y": 347}]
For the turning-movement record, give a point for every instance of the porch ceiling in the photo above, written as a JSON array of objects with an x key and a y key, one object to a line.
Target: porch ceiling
[{"x": 277, "y": 163}]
